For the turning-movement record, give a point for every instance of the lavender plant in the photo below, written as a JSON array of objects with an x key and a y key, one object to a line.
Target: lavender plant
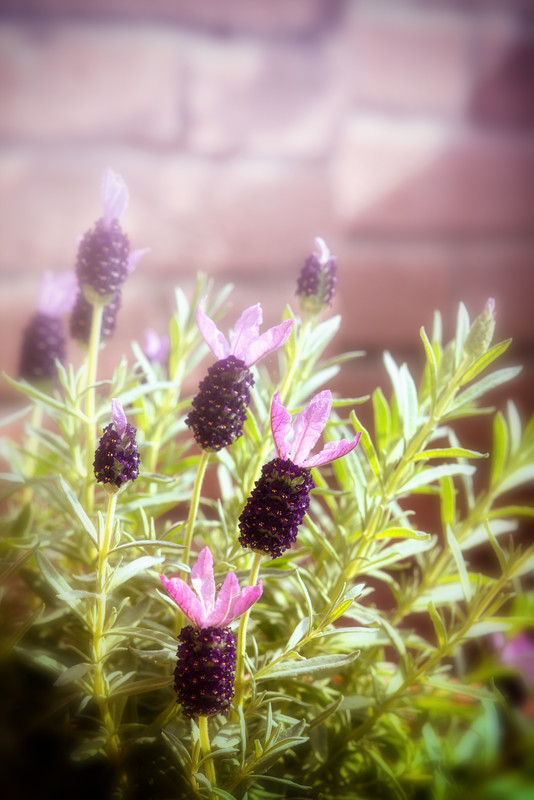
[{"x": 366, "y": 660}]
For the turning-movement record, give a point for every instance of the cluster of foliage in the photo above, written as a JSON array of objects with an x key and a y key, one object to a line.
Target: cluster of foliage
[{"x": 369, "y": 667}]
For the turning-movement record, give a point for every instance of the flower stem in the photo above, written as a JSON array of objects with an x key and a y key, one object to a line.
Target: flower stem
[
  {"x": 100, "y": 686},
  {"x": 193, "y": 508},
  {"x": 206, "y": 750},
  {"x": 242, "y": 637},
  {"x": 90, "y": 436}
]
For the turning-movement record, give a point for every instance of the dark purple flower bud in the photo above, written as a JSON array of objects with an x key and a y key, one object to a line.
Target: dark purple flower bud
[
  {"x": 204, "y": 674},
  {"x": 116, "y": 457},
  {"x": 317, "y": 282},
  {"x": 43, "y": 341},
  {"x": 220, "y": 407},
  {"x": 271, "y": 518},
  {"x": 82, "y": 317}
]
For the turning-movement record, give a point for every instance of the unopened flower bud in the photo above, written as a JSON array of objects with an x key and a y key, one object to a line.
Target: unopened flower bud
[
  {"x": 317, "y": 282},
  {"x": 116, "y": 457},
  {"x": 43, "y": 341},
  {"x": 480, "y": 334}
]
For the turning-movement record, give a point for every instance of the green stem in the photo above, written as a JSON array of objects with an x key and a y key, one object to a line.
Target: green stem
[
  {"x": 100, "y": 686},
  {"x": 239, "y": 683},
  {"x": 206, "y": 750},
  {"x": 193, "y": 508},
  {"x": 90, "y": 437}
]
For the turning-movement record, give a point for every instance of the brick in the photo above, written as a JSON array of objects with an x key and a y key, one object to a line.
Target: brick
[
  {"x": 393, "y": 176},
  {"x": 275, "y": 18},
  {"x": 269, "y": 99},
  {"x": 503, "y": 64},
  {"x": 402, "y": 58},
  {"x": 89, "y": 82}
]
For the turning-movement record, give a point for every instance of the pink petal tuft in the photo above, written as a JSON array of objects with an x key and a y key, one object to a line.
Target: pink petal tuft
[
  {"x": 246, "y": 599},
  {"x": 222, "y": 613},
  {"x": 57, "y": 293},
  {"x": 280, "y": 426},
  {"x": 246, "y": 331},
  {"x": 114, "y": 194},
  {"x": 308, "y": 426},
  {"x": 213, "y": 337},
  {"x": 202, "y": 580},
  {"x": 321, "y": 250},
  {"x": 185, "y": 600},
  {"x": 135, "y": 256},
  {"x": 267, "y": 342},
  {"x": 331, "y": 451},
  {"x": 119, "y": 417}
]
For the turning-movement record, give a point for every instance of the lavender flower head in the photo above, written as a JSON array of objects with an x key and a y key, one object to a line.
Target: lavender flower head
[
  {"x": 317, "y": 282},
  {"x": 156, "y": 348},
  {"x": 220, "y": 406},
  {"x": 116, "y": 457},
  {"x": 271, "y": 518},
  {"x": 44, "y": 338},
  {"x": 102, "y": 262},
  {"x": 81, "y": 319},
  {"x": 204, "y": 674}
]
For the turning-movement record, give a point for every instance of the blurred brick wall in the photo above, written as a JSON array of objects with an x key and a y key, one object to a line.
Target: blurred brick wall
[{"x": 401, "y": 132}]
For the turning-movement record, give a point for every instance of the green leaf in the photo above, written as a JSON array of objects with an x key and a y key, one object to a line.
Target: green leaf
[
  {"x": 460, "y": 563},
  {"x": 500, "y": 448},
  {"x": 73, "y": 673},
  {"x": 447, "y": 501},
  {"x": 479, "y": 388},
  {"x": 439, "y": 627},
  {"x": 318, "y": 666},
  {"x": 133, "y": 568},
  {"x": 401, "y": 533},
  {"x": 428, "y": 476},
  {"x": 484, "y": 361},
  {"x": 58, "y": 582},
  {"x": 367, "y": 445},
  {"x": 448, "y": 452},
  {"x": 79, "y": 512},
  {"x": 463, "y": 326},
  {"x": 382, "y": 417}
]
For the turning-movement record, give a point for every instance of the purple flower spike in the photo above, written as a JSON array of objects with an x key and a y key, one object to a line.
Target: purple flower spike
[
  {"x": 116, "y": 457},
  {"x": 317, "y": 281},
  {"x": 201, "y": 604},
  {"x": 272, "y": 515},
  {"x": 307, "y": 428},
  {"x": 245, "y": 343},
  {"x": 204, "y": 674}
]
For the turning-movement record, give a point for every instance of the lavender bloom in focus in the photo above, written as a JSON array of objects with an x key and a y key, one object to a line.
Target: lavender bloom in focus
[
  {"x": 116, "y": 457},
  {"x": 274, "y": 511},
  {"x": 317, "y": 282},
  {"x": 44, "y": 338},
  {"x": 220, "y": 406},
  {"x": 204, "y": 674}
]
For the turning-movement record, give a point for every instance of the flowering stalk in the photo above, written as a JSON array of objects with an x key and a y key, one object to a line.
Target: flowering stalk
[
  {"x": 193, "y": 508},
  {"x": 242, "y": 637}
]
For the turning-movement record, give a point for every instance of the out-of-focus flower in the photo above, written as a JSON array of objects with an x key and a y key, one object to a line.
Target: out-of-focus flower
[
  {"x": 271, "y": 518},
  {"x": 155, "y": 348},
  {"x": 44, "y": 338},
  {"x": 220, "y": 406},
  {"x": 103, "y": 252},
  {"x": 81, "y": 319},
  {"x": 517, "y": 654},
  {"x": 116, "y": 457},
  {"x": 204, "y": 674},
  {"x": 317, "y": 282}
]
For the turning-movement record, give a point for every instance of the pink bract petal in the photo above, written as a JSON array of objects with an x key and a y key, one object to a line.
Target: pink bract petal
[
  {"x": 213, "y": 337},
  {"x": 280, "y": 426},
  {"x": 135, "y": 256},
  {"x": 321, "y": 250},
  {"x": 57, "y": 293},
  {"x": 268, "y": 341},
  {"x": 185, "y": 599},
  {"x": 114, "y": 194},
  {"x": 331, "y": 451},
  {"x": 246, "y": 331},
  {"x": 119, "y": 417},
  {"x": 222, "y": 613},
  {"x": 203, "y": 582},
  {"x": 309, "y": 425},
  {"x": 246, "y": 599}
]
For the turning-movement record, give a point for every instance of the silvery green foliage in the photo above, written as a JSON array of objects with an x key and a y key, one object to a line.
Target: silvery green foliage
[{"x": 369, "y": 665}]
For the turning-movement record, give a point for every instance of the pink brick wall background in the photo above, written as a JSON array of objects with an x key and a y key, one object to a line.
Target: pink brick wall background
[{"x": 402, "y": 132}]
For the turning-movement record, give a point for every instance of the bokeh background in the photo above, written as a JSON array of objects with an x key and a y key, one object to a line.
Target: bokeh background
[{"x": 401, "y": 132}]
